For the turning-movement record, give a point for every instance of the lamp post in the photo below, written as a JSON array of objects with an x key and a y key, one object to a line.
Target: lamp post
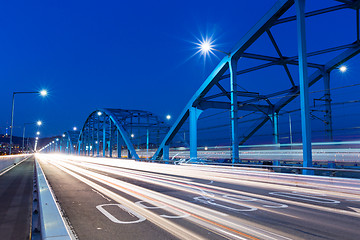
[
  {"x": 39, "y": 123},
  {"x": 42, "y": 93}
]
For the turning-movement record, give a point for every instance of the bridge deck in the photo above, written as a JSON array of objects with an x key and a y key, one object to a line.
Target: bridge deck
[{"x": 15, "y": 198}]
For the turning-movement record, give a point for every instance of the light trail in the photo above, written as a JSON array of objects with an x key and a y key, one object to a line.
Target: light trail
[{"x": 218, "y": 199}]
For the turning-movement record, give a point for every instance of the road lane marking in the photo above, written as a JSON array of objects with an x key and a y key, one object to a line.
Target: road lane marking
[
  {"x": 109, "y": 200},
  {"x": 355, "y": 209},
  {"x": 126, "y": 209},
  {"x": 114, "y": 196},
  {"x": 162, "y": 207},
  {"x": 305, "y": 197}
]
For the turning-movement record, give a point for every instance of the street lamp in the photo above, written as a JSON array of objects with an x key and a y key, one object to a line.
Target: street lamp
[
  {"x": 74, "y": 128},
  {"x": 343, "y": 68},
  {"x": 168, "y": 117},
  {"x": 39, "y": 123},
  {"x": 42, "y": 93},
  {"x": 206, "y": 46}
]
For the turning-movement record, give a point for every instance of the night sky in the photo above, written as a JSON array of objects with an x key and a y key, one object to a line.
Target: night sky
[{"x": 140, "y": 55}]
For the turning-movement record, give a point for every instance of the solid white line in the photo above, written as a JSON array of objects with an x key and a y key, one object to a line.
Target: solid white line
[{"x": 11, "y": 167}]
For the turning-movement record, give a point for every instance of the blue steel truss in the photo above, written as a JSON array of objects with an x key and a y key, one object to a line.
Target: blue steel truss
[
  {"x": 69, "y": 141},
  {"x": 108, "y": 130},
  {"x": 227, "y": 70},
  {"x": 116, "y": 129}
]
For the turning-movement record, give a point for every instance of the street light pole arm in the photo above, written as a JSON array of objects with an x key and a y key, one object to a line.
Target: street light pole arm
[{"x": 23, "y": 92}]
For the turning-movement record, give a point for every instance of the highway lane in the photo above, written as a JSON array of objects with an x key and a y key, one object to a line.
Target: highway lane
[
  {"x": 198, "y": 202},
  {"x": 16, "y": 185}
]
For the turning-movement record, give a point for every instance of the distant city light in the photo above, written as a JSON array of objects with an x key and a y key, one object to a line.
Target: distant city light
[
  {"x": 57, "y": 139},
  {"x": 343, "y": 69},
  {"x": 74, "y": 128},
  {"x": 37, "y": 138},
  {"x": 99, "y": 113},
  {"x": 43, "y": 93},
  {"x": 168, "y": 117},
  {"x": 39, "y": 123},
  {"x": 205, "y": 148}
]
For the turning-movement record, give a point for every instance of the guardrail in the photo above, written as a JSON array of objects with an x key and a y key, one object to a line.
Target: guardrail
[{"x": 52, "y": 223}]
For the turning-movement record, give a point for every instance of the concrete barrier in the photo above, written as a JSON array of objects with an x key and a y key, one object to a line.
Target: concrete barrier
[{"x": 10, "y": 161}]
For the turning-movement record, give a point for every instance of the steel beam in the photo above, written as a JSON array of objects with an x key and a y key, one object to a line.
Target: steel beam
[
  {"x": 327, "y": 98},
  {"x": 118, "y": 145},
  {"x": 304, "y": 87},
  {"x": 194, "y": 116},
  {"x": 234, "y": 112},
  {"x": 104, "y": 136},
  {"x": 110, "y": 139}
]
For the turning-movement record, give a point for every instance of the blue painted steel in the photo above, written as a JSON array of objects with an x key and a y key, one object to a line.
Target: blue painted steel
[
  {"x": 327, "y": 98},
  {"x": 110, "y": 140},
  {"x": 104, "y": 136},
  {"x": 270, "y": 17},
  {"x": 194, "y": 115},
  {"x": 304, "y": 87},
  {"x": 118, "y": 144},
  {"x": 98, "y": 137},
  {"x": 234, "y": 112}
]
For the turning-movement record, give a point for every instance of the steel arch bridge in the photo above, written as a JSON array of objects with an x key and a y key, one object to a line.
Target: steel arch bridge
[
  {"x": 69, "y": 142},
  {"x": 108, "y": 130},
  {"x": 221, "y": 90}
]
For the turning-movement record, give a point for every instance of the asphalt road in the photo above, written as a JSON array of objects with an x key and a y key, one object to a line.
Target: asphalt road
[
  {"x": 16, "y": 187},
  {"x": 122, "y": 199}
]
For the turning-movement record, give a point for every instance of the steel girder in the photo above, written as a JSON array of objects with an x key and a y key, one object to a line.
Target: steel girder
[
  {"x": 69, "y": 141},
  {"x": 114, "y": 127},
  {"x": 201, "y": 101}
]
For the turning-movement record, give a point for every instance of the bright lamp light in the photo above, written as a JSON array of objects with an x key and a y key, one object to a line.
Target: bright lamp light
[{"x": 43, "y": 93}]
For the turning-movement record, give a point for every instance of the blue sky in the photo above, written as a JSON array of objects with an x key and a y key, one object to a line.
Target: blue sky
[{"x": 133, "y": 54}]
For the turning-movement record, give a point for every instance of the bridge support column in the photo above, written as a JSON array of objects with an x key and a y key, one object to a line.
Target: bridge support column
[
  {"x": 275, "y": 122},
  {"x": 110, "y": 138},
  {"x": 98, "y": 137},
  {"x": 193, "y": 117},
  {"x": 304, "y": 87},
  {"x": 104, "y": 137},
  {"x": 166, "y": 152},
  {"x": 327, "y": 98},
  {"x": 147, "y": 142},
  {"x": 118, "y": 145},
  {"x": 79, "y": 148},
  {"x": 234, "y": 112}
]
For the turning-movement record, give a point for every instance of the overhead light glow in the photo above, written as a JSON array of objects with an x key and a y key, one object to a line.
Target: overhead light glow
[
  {"x": 343, "y": 69},
  {"x": 99, "y": 113},
  {"x": 205, "y": 46},
  {"x": 37, "y": 133},
  {"x": 43, "y": 93},
  {"x": 74, "y": 128},
  {"x": 132, "y": 135},
  {"x": 39, "y": 123},
  {"x": 168, "y": 117}
]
